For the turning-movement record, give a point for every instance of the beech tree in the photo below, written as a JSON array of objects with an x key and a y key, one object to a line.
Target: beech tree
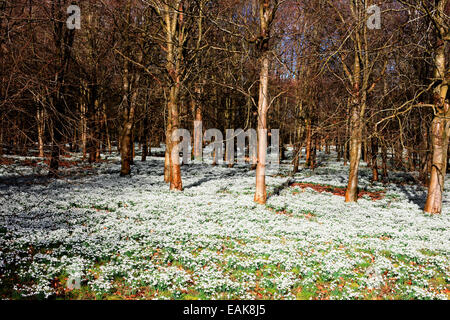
[
  {"x": 438, "y": 12},
  {"x": 267, "y": 11}
]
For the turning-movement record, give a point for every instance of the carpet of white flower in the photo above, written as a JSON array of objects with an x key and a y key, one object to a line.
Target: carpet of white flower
[{"x": 131, "y": 237}]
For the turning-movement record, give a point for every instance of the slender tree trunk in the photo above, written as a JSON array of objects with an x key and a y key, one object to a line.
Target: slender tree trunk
[
  {"x": 174, "y": 159},
  {"x": 374, "y": 161},
  {"x": 145, "y": 131},
  {"x": 346, "y": 147},
  {"x": 315, "y": 146},
  {"x": 108, "y": 137},
  {"x": 64, "y": 39},
  {"x": 448, "y": 159},
  {"x": 263, "y": 105},
  {"x": 129, "y": 102},
  {"x": 1, "y": 136},
  {"x": 41, "y": 130},
  {"x": 384, "y": 160},
  {"x": 92, "y": 125},
  {"x": 167, "y": 154},
  {"x": 198, "y": 148},
  {"x": 297, "y": 149},
  {"x": 351, "y": 194},
  {"x": 83, "y": 129},
  {"x": 308, "y": 143},
  {"x": 56, "y": 139}
]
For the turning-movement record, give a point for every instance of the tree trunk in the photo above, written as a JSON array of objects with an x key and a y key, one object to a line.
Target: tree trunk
[
  {"x": 92, "y": 125},
  {"x": 308, "y": 143},
  {"x": 198, "y": 130},
  {"x": 41, "y": 130},
  {"x": 297, "y": 149},
  {"x": 83, "y": 129},
  {"x": 174, "y": 159},
  {"x": 64, "y": 39},
  {"x": 145, "y": 136},
  {"x": 440, "y": 134},
  {"x": 440, "y": 128},
  {"x": 263, "y": 105},
  {"x": 167, "y": 154},
  {"x": 384, "y": 160},
  {"x": 351, "y": 194},
  {"x": 129, "y": 103},
  {"x": 374, "y": 161}
]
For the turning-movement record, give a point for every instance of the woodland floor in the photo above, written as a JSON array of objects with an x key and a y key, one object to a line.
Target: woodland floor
[{"x": 130, "y": 238}]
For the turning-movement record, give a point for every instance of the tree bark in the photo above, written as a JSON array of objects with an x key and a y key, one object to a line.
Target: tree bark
[
  {"x": 263, "y": 105},
  {"x": 41, "y": 129},
  {"x": 374, "y": 160},
  {"x": 440, "y": 128},
  {"x": 351, "y": 194}
]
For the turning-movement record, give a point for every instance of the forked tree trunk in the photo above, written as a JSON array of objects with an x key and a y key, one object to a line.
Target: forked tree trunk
[{"x": 173, "y": 20}]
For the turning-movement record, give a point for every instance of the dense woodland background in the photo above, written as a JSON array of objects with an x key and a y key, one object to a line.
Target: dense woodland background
[{"x": 139, "y": 69}]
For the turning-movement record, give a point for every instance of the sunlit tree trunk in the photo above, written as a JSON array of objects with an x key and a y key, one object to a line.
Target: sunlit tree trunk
[
  {"x": 267, "y": 10},
  {"x": 351, "y": 194},
  {"x": 263, "y": 105},
  {"x": 174, "y": 160},
  {"x": 173, "y": 19},
  {"x": 440, "y": 128}
]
